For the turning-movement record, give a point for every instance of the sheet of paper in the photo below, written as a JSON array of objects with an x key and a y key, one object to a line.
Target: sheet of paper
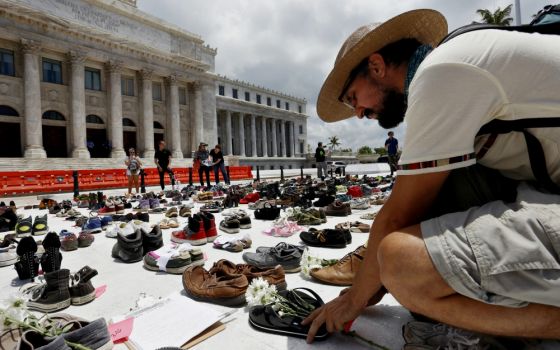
[{"x": 172, "y": 322}]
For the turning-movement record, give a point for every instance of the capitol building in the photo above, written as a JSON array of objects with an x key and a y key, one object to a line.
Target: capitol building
[{"x": 82, "y": 81}]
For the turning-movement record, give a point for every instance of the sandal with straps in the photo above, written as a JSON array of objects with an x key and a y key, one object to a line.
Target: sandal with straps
[{"x": 266, "y": 318}]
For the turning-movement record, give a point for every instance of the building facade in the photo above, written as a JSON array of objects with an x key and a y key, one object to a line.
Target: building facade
[{"x": 82, "y": 81}]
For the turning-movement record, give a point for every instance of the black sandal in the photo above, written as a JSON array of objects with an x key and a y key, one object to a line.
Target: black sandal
[{"x": 267, "y": 319}]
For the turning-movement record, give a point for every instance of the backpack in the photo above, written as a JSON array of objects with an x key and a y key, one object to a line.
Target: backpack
[{"x": 547, "y": 21}]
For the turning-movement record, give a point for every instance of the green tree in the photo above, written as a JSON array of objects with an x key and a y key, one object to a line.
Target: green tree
[
  {"x": 500, "y": 16},
  {"x": 334, "y": 142},
  {"x": 380, "y": 150},
  {"x": 365, "y": 150}
]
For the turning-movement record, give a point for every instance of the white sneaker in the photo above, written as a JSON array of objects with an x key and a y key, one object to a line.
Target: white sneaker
[{"x": 359, "y": 203}]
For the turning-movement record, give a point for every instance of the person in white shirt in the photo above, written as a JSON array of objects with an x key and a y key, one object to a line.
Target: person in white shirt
[{"x": 470, "y": 235}]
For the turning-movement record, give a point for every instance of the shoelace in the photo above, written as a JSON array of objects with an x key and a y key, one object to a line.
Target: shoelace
[{"x": 34, "y": 292}]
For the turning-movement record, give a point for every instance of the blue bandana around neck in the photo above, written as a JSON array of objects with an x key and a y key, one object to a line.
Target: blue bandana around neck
[{"x": 417, "y": 58}]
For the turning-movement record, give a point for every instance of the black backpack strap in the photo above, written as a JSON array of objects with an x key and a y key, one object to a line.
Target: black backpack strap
[{"x": 534, "y": 147}]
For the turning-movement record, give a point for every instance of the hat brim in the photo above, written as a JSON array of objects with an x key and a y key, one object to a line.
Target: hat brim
[{"x": 427, "y": 26}]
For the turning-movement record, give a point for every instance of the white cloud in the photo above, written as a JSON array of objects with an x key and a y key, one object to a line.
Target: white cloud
[{"x": 290, "y": 45}]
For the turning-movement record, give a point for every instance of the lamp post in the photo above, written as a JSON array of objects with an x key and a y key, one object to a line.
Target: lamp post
[{"x": 517, "y": 12}]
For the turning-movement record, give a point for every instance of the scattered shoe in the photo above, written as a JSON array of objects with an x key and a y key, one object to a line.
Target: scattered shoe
[
  {"x": 338, "y": 208},
  {"x": 368, "y": 216},
  {"x": 209, "y": 226},
  {"x": 68, "y": 241},
  {"x": 81, "y": 289},
  {"x": 93, "y": 224},
  {"x": 128, "y": 247},
  {"x": 342, "y": 273},
  {"x": 8, "y": 256},
  {"x": 27, "y": 266},
  {"x": 24, "y": 227},
  {"x": 230, "y": 225},
  {"x": 274, "y": 276},
  {"x": 85, "y": 239},
  {"x": 286, "y": 255},
  {"x": 152, "y": 240},
  {"x": 359, "y": 203},
  {"x": 234, "y": 243},
  {"x": 174, "y": 260},
  {"x": 219, "y": 288},
  {"x": 356, "y": 226},
  {"x": 172, "y": 212},
  {"x": 51, "y": 296},
  {"x": 51, "y": 258},
  {"x": 40, "y": 226},
  {"x": 326, "y": 238},
  {"x": 192, "y": 233}
]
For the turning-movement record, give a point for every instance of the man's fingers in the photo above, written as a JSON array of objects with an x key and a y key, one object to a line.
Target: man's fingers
[
  {"x": 311, "y": 317},
  {"x": 317, "y": 322}
]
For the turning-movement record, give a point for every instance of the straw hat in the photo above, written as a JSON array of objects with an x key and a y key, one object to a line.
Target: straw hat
[{"x": 427, "y": 26}]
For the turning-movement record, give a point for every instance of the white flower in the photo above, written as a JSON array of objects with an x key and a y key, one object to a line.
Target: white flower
[
  {"x": 260, "y": 292},
  {"x": 309, "y": 263}
]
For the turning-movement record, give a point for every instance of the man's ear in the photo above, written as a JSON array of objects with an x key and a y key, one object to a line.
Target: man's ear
[{"x": 377, "y": 65}]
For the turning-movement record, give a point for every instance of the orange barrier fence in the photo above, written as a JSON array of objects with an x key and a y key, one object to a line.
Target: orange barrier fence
[{"x": 53, "y": 181}]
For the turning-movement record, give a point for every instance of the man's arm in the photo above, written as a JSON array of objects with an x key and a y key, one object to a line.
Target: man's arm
[{"x": 410, "y": 200}]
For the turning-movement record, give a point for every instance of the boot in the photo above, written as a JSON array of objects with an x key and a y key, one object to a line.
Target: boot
[
  {"x": 53, "y": 295},
  {"x": 82, "y": 291},
  {"x": 27, "y": 266},
  {"x": 152, "y": 240},
  {"x": 51, "y": 259}
]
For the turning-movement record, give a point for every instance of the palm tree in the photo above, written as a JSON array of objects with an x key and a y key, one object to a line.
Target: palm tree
[
  {"x": 499, "y": 17},
  {"x": 333, "y": 142}
]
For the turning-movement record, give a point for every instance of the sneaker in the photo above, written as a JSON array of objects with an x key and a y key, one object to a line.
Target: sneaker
[
  {"x": 51, "y": 258},
  {"x": 152, "y": 239},
  {"x": 27, "y": 266},
  {"x": 368, "y": 216},
  {"x": 143, "y": 205},
  {"x": 192, "y": 233},
  {"x": 108, "y": 209},
  {"x": 154, "y": 203},
  {"x": 106, "y": 221},
  {"x": 209, "y": 226},
  {"x": 318, "y": 213},
  {"x": 8, "y": 256},
  {"x": 93, "y": 224},
  {"x": 119, "y": 206},
  {"x": 24, "y": 227},
  {"x": 230, "y": 225},
  {"x": 81, "y": 290},
  {"x": 128, "y": 247},
  {"x": 250, "y": 198},
  {"x": 338, "y": 208},
  {"x": 219, "y": 288},
  {"x": 233, "y": 243},
  {"x": 143, "y": 217},
  {"x": 283, "y": 227},
  {"x": 342, "y": 273},
  {"x": 172, "y": 212},
  {"x": 185, "y": 212},
  {"x": 326, "y": 238},
  {"x": 427, "y": 335},
  {"x": 40, "y": 226},
  {"x": 234, "y": 212},
  {"x": 213, "y": 207},
  {"x": 174, "y": 260},
  {"x": 85, "y": 239},
  {"x": 274, "y": 276},
  {"x": 286, "y": 255},
  {"x": 244, "y": 221},
  {"x": 359, "y": 203},
  {"x": 51, "y": 296},
  {"x": 356, "y": 226},
  {"x": 323, "y": 201},
  {"x": 68, "y": 241},
  {"x": 118, "y": 226}
]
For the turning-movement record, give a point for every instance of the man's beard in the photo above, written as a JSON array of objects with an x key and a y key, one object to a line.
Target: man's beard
[{"x": 393, "y": 110}]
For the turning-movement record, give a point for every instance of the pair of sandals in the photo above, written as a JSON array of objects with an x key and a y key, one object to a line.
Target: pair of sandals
[{"x": 266, "y": 319}]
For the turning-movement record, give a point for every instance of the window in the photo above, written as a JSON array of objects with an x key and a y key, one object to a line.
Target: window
[
  {"x": 301, "y": 147},
  {"x": 93, "y": 79},
  {"x": 52, "y": 71},
  {"x": 277, "y": 103},
  {"x": 156, "y": 91},
  {"x": 8, "y": 111},
  {"x": 7, "y": 62},
  {"x": 268, "y": 101},
  {"x": 127, "y": 122},
  {"x": 234, "y": 93},
  {"x": 247, "y": 96},
  {"x": 299, "y": 108},
  {"x": 259, "y": 99},
  {"x": 157, "y": 125},
  {"x": 222, "y": 90},
  {"x": 287, "y": 105},
  {"x": 53, "y": 115},
  {"x": 93, "y": 119},
  {"x": 127, "y": 86},
  {"x": 182, "y": 96},
  {"x": 301, "y": 129}
]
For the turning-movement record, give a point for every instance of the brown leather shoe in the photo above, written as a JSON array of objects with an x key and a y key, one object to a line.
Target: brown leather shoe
[
  {"x": 219, "y": 287},
  {"x": 274, "y": 275},
  {"x": 337, "y": 208},
  {"x": 343, "y": 272}
]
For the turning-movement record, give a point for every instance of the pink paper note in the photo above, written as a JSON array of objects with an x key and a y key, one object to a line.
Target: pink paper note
[
  {"x": 100, "y": 290},
  {"x": 120, "y": 331}
]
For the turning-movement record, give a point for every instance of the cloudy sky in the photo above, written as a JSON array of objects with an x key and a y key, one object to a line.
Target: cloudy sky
[{"x": 290, "y": 45}]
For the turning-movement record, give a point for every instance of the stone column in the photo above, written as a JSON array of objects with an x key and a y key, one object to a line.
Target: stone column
[
  {"x": 274, "y": 141},
  {"x": 291, "y": 138},
  {"x": 78, "y": 105},
  {"x": 147, "y": 120},
  {"x": 264, "y": 138},
  {"x": 173, "y": 118},
  {"x": 241, "y": 136},
  {"x": 115, "y": 129},
  {"x": 197, "y": 117},
  {"x": 253, "y": 136},
  {"x": 283, "y": 138},
  {"x": 32, "y": 118},
  {"x": 229, "y": 137}
]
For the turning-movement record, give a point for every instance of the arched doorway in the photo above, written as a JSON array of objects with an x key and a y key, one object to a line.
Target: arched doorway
[
  {"x": 10, "y": 132},
  {"x": 54, "y": 135},
  {"x": 97, "y": 142},
  {"x": 158, "y": 134},
  {"x": 129, "y": 134}
]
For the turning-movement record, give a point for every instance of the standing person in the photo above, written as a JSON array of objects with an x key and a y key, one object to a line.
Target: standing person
[
  {"x": 202, "y": 157},
  {"x": 219, "y": 164},
  {"x": 392, "y": 148},
  {"x": 162, "y": 159},
  {"x": 470, "y": 234},
  {"x": 133, "y": 166},
  {"x": 320, "y": 159}
]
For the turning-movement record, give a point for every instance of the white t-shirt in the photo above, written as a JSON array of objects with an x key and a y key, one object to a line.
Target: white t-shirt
[
  {"x": 471, "y": 80},
  {"x": 132, "y": 160}
]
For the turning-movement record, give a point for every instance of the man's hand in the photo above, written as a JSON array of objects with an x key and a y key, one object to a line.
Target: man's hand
[{"x": 334, "y": 314}]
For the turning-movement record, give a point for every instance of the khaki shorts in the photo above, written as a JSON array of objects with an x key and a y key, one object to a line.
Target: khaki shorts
[{"x": 501, "y": 253}]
